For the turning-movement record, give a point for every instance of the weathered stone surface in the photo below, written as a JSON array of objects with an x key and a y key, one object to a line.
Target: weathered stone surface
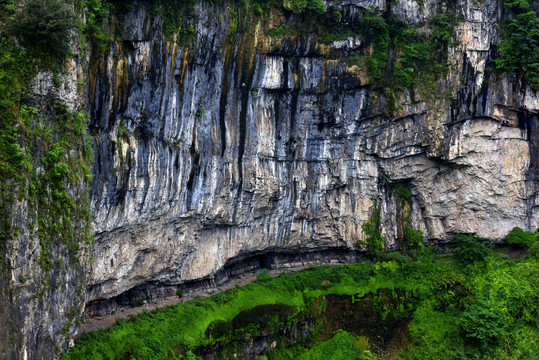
[
  {"x": 40, "y": 304},
  {"x": 235, "y": 147}
]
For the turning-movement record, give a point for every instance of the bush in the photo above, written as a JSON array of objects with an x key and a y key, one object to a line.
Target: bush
[
  {"x": 519, "y": 48},
  {"x": 414, "y": 237},
  {"x": 517, "y": 236},
  {"x": 484, "y": 322},
  {"x": 299, "y": 6},
  {"x": 402, "y": 190},
  {"x": 534, "y": 251},
  {"x": 470, "y": 249},
  {"x": 44, "y": 27},
  {"x": 179, "y": 293},
  {"x": 373, "y": 233}
]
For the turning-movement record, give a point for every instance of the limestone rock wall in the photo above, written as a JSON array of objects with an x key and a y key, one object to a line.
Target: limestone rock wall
[
  {"x": 42, "y": 280},
  {"x": 238, "y": 143}
]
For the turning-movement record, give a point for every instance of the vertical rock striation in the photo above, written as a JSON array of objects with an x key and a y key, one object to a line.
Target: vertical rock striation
[{"x": 240, "y": 142}]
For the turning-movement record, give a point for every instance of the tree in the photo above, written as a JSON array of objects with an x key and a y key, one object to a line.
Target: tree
[
  {"x": 45, "y": 28},
  {"x": 519, "y": 48},
  {"x": 484, "y": 322}
]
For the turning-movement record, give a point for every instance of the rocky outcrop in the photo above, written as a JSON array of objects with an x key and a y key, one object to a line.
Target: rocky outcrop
[
  {"x": 240, "y": 142},
  {"x": 44, "y": 270}
]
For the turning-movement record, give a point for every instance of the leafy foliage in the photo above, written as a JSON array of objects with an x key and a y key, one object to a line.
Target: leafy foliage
[
  {"x": 471, "y": 249},
  {"x": 519, "y": 48},
  {"x": 45, "y": 27},
  {"x": 372, "y": 229},
  {"x": 376, "y": 32},
  {"x": 416, "y": 56},
  {"x": 402, "y": 191},
  {"x": 299, "y": 6},
  {"x": 341, "y": 346},
  {"x": 415, "y": 238},
  {"x": 534, "y": 251},
  {"x": 517, "y": 236},
  {"x": 98, "y": 12},
  {"x": 485, "y": 322},
  {"x": 449, "y": 307}
]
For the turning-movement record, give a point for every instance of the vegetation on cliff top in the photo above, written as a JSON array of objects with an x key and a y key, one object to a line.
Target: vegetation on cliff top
[
  {"x": 519, "y": 48},
  {"x": 45, "y": 155}
]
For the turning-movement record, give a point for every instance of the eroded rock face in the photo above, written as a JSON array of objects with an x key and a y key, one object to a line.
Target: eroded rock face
[
  {"x": 42, "y": 276},
  {"x": 240, "y": 143}
]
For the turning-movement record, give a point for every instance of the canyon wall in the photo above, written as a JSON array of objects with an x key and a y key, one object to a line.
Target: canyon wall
[
  {"x": 255, "y": 137},
  {"x": 237, "y": 142}
]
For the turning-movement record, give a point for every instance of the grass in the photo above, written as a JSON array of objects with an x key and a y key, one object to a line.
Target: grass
[{"x": 437, "y": 294}]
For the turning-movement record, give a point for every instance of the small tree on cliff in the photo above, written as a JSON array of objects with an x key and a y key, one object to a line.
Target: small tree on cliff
[
  {"x": 372, "y": 229},
  {"x": 45, "y": 28}
]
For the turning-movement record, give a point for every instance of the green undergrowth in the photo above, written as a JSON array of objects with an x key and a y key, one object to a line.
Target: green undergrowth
[
  {"x": 484, "y": 309},
  {"x": 341, "y": 346}
]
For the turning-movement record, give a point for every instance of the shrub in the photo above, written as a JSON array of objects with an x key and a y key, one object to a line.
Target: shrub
[
  {"x": 484, "y": 322},
  {"x": 414, "y": 237},
  {"x": 519, "y": 48},
  {"x": 403, "y": 191},
  {"x": 517, "y": 236},
  {"x": 470, "y": 249},
  {"x": 534, "y": 251},
  {"x": 377, "y": 33},
  {"x": 45, "y": 27},
  {"x": 179, "y": 293},
  {"x": 373, "y": 233},
  {"x": 299, "y": 6}
]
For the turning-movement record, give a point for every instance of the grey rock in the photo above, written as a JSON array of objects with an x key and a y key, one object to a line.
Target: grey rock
[{"x": 235, "y": 149}]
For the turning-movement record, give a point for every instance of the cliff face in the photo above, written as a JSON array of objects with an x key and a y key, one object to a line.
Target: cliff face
[
  {"x": 44, "y": 248},
  {"x": 254, "y": 135},
  {"x": 238, "y": 142}
]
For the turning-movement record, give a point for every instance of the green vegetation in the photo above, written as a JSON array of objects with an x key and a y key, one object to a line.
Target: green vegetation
[
  {"x": 457, "y": 311},
  {"x": 470, "y": 249},
  {"x": 415, "y": 238},
  {"x": 402, "y": 191},
  {"x": 98, "y": 12},
  {"x": 418, "y": 58},
  {"x": 340, "y": 347},
  {"x": 45, "y": 155},
  {"x": 63, "y": 168},
  {"x": 16, "y": 71},
  {"x": 484, "y": 322},
  {"x": 372, "y": 229},
  {"x": 517, "y": 236},
  {"x": 44, "y": 28},
  {"x": 299, "y": 6},
  {"x": 519, "y": 48}
]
